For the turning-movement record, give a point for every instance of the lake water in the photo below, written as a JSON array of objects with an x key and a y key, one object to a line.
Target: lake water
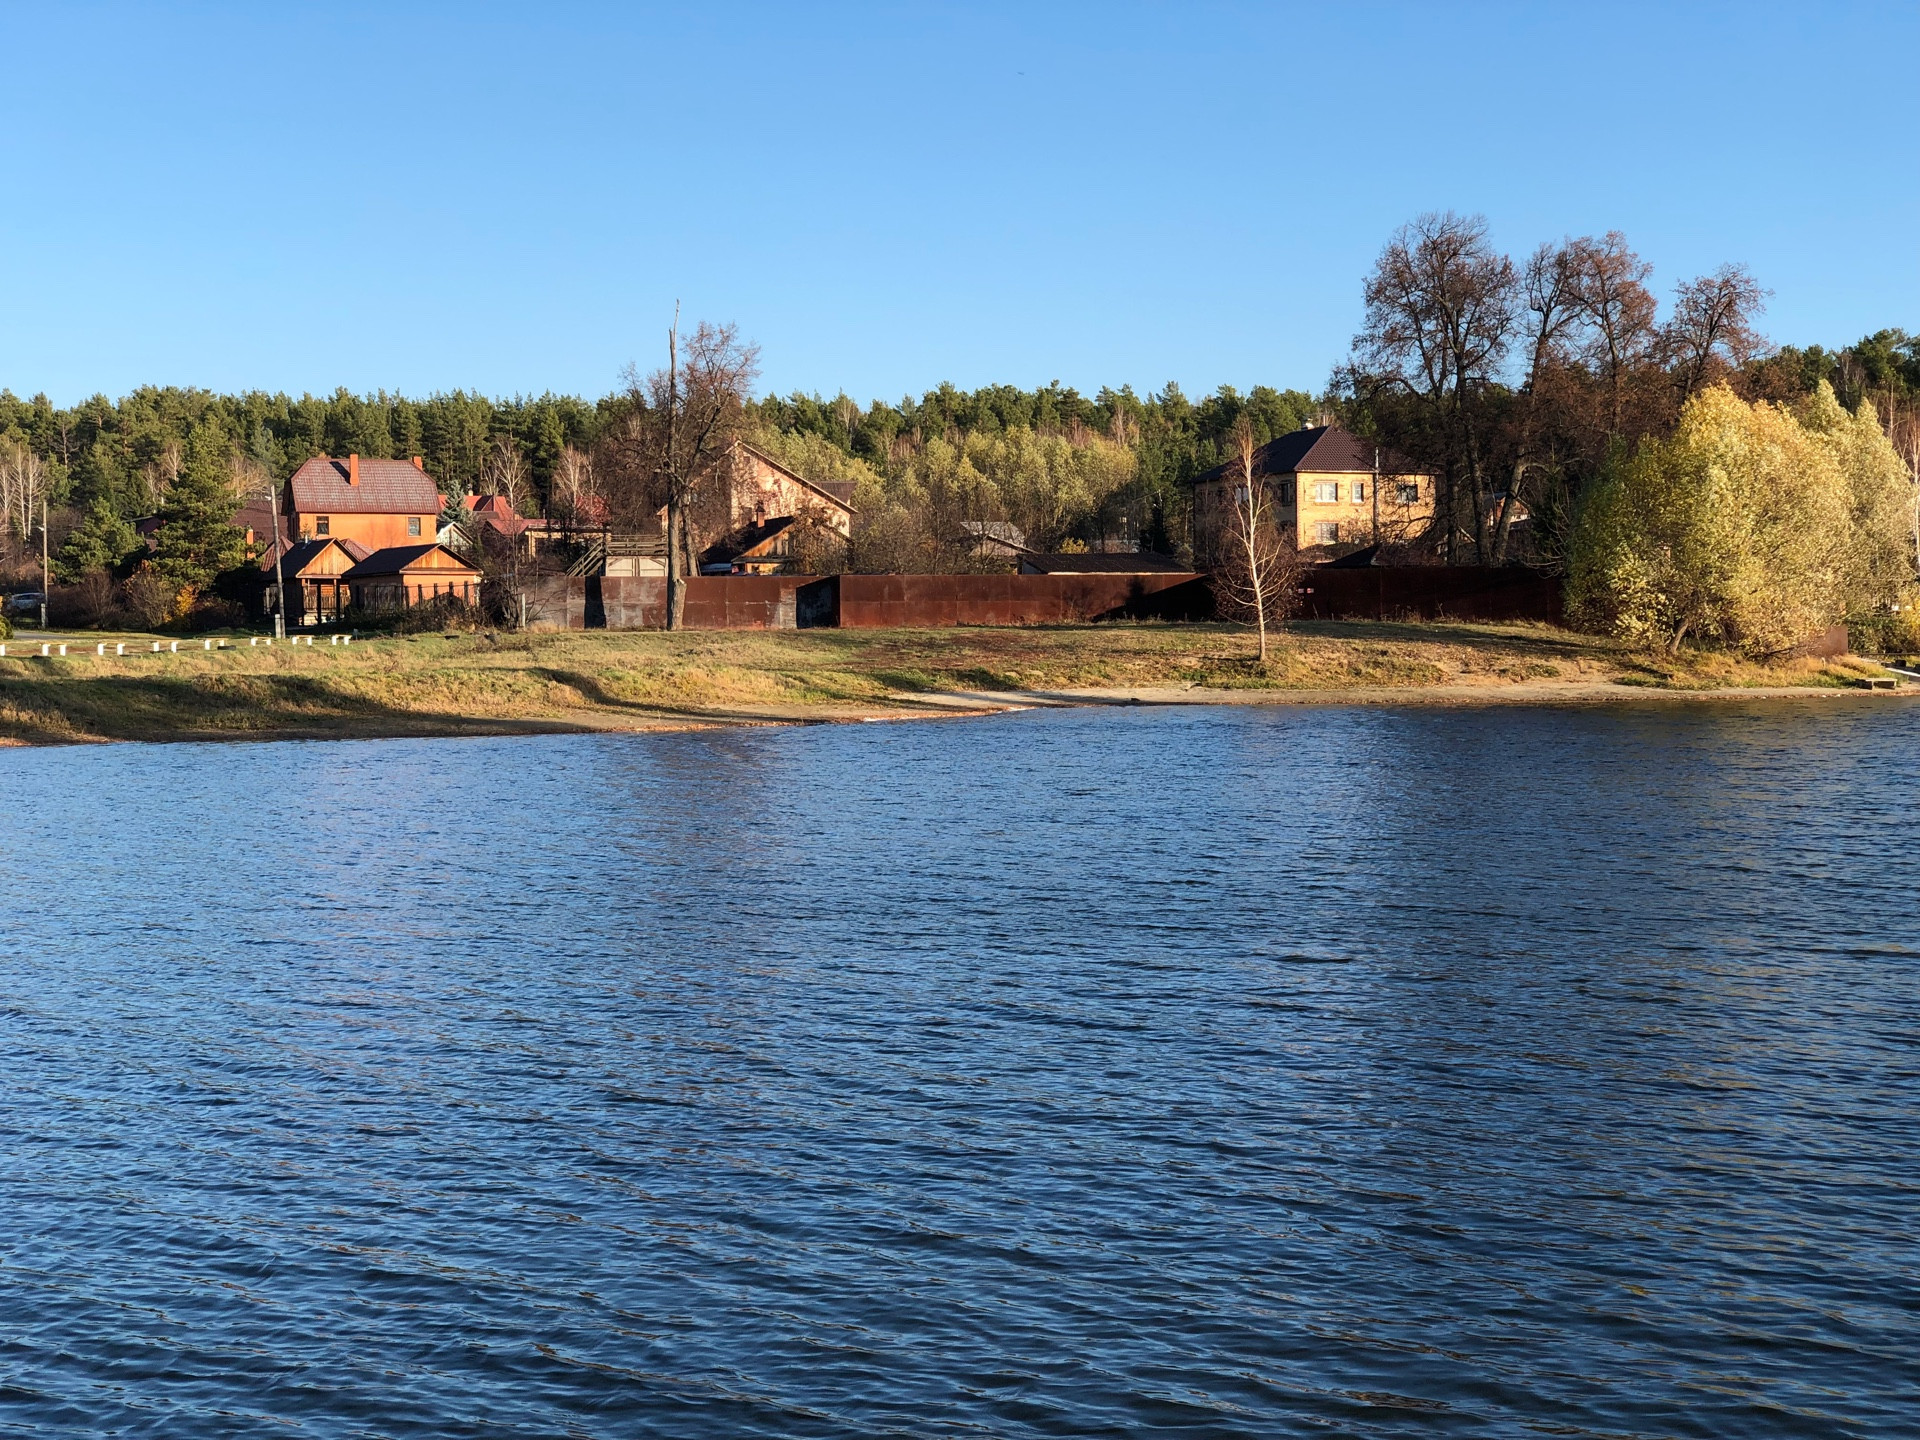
[{"x": 1356, "y": 1072}]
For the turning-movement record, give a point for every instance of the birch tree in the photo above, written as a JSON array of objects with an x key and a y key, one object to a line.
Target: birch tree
[{"x": 1259, "y": 580}]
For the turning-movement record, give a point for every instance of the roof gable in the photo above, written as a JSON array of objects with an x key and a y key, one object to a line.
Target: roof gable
[
  {"x": 326, "y": 556},
  {"x": 1318, "y": 448},
  {"x": 410, "y": 560},
  {"x": 387, "y": 487},
  {"x": 838, "y": 493}
]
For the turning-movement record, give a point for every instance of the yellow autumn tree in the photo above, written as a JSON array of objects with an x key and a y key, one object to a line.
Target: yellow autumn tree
[
  {"x": 1879, "y": 570},
  {"x": 1737, "y": 530}
]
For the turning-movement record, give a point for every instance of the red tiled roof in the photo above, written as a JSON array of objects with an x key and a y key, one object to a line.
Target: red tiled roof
[
  {"x": 1319, "y": 447},
  {"x": 498, "y": 514},
  {"x": 387, "y": 487}
]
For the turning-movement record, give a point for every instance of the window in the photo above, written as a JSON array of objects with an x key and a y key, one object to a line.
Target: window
[
  {"x": 1286, "y": 492},
  {"x": 413, "y": 526},
  {"x": 1409, "y": 494},
  {"x": 1327, "y": 492},
  {"x": 1326, "y": 532},
  {"x": 1359, "y": 492},
  {"x": 323, "y": 524}
]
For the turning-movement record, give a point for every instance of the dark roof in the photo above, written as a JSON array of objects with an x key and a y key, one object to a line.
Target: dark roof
[
  {"x": 1101, "y": 565},
  {"x": 387, "y": 487},
  {"x": 1318, "y": 447},
  {"x": 743, "y": 540},
  {"x": 395, "y": 558},
  {"x": 1359, "y": 560}
]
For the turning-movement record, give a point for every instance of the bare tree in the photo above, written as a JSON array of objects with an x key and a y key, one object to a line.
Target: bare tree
[
  {"x": 574, "y": 495},
  {"x": 23, "y": 486},
  {"x": 505, "y": 472},
  {"x": 1712, "y": 330},
  {"x": 1260, "y": 577},
  {"x": 1619, "y": 312},
  {"x": 160, "y": 472},
  {"x": 1439, "y": 319},
  {"x": 1551, "y": 292},
  {"x": 681, "y": 421}
]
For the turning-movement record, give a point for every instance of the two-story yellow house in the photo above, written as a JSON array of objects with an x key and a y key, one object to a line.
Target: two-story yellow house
[{"x": 1330, "y": 491}]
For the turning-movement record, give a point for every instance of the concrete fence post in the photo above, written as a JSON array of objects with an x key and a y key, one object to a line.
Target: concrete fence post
[
  {"x": 206, "y": 644},
  {"x": 45, "y": 650},
  {"x": 173, "y": 647},
  {"x": 121, "y": 648},
  {"x": 156, "y": 647},
  {"x": 101, "y": 648}
]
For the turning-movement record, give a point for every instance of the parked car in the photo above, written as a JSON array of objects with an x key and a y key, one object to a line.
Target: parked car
[{"x": 27, "y": 602}]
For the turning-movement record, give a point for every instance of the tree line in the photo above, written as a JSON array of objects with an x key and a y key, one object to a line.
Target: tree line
[
  {"x": 1531, "y": 389},
  {"x": 1523, "y": 384}
]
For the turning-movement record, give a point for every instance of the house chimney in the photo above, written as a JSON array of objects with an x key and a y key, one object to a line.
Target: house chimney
[
  {"x": 420, "y": 464},
  {"x": 353, "y": 469}
]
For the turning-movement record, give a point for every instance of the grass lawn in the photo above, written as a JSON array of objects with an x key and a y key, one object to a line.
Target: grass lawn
[{"x": 501, "y": 683}]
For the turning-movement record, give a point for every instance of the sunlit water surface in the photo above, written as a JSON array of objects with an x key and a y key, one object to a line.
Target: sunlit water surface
[{"x": 1214, "y": 1072}]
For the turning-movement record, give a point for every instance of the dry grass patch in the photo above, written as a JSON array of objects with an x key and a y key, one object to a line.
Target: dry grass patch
[{"x": 462, "y": 684}]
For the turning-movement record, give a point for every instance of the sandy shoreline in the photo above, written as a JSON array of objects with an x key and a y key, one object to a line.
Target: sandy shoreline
[{"x": 958, "y": 704}]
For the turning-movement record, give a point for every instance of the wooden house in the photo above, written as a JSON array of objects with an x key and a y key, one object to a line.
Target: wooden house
[
  {"x": 401, "y": 576},
  {"x": 314, "y": 573}
]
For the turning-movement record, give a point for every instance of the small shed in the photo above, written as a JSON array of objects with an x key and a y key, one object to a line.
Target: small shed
[{"x": 402, "y": 576}]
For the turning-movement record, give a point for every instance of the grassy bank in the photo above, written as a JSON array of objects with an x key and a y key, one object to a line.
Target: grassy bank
[{"x": 480, "y": 684}]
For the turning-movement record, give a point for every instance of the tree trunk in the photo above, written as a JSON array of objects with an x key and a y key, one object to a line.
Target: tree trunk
[{"x": 676, "y": 578}]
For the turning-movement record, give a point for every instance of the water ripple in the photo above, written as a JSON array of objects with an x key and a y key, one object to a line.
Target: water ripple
[{"x": 1357, "y": 1072}]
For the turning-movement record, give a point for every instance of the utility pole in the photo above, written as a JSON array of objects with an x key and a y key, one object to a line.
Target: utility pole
[
  {"x": 279, "y": 575},
  {"x": 1376, "y": 495},
  {"x": 46, "y": 574}
]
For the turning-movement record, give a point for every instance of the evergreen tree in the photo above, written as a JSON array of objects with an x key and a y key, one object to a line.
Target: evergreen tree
[
  {"x": 102, "y": 541},
  {"x": 197, "y": 537}
]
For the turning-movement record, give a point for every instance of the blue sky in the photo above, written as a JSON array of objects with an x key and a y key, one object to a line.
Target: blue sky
[{"x": 510, "y": 199}]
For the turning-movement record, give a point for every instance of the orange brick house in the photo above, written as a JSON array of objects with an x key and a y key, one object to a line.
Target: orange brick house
[
  {"x": 374, "y": 503},
  {"x": 1331, "y": 490}
]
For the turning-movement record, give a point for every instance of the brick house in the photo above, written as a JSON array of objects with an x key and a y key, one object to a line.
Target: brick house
[
  {"x": 760, "y": 502},
  {"x": 1331, "y": 490},
  {"x": 374, "y": 503}
]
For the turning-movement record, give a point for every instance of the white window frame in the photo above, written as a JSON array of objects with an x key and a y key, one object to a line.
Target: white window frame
[
  {"x": 1326, "y": 492},
  {"x": 1326, "y": 532},
  {"x": 1359, "y": 492},
  {"x": 1409, "y": 492}
]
